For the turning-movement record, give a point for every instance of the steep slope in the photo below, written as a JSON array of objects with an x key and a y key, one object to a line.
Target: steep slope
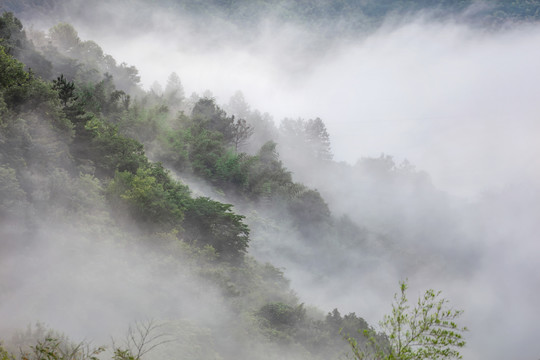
[{"x": 92, "y": 228}]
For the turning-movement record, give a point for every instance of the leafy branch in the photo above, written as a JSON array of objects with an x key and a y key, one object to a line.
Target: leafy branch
[{"x": 427, "y": 331}]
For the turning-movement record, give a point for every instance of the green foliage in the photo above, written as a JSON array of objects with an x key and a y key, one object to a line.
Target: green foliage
[
  {"x": 281, "y": 315},
  {"x": 120, "y": 354},
  {"x": 51, "y": 131},
  {"x": 41, "y": 343},
  {"x": 54, "y": 349},
  {"x": 103, "y": 98},
  {"x": 110, "y": 151},
  {"x": 14, "y": 80},
  {"x": 150, "y": 197},
  {"x": 280, "y": 321},
  {"x": 66, "y": 90},
  {"x": 37, "y": 97},
  {"x": 32, "y": 141},
  {"x": 203, "y": 140},
  {"x": 13, "y": 39},
  {"x": 208, "y": 222},
  {"x": 233, "y": 169},
  {"x": 12, "y": 36},
  {"x": 426, "y": 331},
  {"x": 308, "y": 208},
  {"x": 347, "y": 324},
  {"x": 23, "y": 93},
  {"x": 63, "y": 52},
  {"x": 11, "y": 71},
  {"x": 321, "y": 337},
  {"x": 202, "y": 148},
  {"x": 174, "y": 149},
  {"x": 205, "y": 149},
  {"x": 146, "y": 124},
  {"x": 214, "y": 119},
  {"x": 267, "y": 174},
  {"x": 5, "y": 355}
]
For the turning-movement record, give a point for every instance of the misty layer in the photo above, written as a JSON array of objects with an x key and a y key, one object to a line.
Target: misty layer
[
  {"x": 421, "y": 86},
  {"x": 96, "y": 237},
  {"x": 369, "y": 224}
]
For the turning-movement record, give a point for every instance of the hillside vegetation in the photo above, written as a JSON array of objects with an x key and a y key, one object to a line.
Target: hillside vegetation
[
  {"x": 192, "y": 225},
  {"x": 76, "y": 186}
]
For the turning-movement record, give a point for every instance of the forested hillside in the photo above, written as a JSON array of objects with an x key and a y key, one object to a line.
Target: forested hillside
[
  {"x": 185, "y": 224},
  {"x": 79, "y": 195}
]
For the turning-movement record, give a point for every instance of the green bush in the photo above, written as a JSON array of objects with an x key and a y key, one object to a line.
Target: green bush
[
  {"x": 149, "y": 199},
  {"x": 208, "y": 222},
  {"x": 280, "y": 315}
]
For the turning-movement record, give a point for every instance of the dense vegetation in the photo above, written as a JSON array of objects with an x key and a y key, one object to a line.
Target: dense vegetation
[
  {"x": 85, "y": 151},
  {"x": 73, "y": 160}
]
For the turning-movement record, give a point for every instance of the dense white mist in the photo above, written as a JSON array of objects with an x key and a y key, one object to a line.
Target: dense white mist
[
  {"x": 94, "y": 289},
  {"x": 457, "y": 102}
]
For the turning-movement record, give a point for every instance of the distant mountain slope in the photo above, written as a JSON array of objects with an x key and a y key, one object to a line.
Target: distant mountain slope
[{"x": 346, "y": 15}]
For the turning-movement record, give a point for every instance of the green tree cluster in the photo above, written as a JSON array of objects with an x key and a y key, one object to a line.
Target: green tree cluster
[
  {"x": 205, "y": 144},
  {"x": 59, "y": 128},
  {"x": 66, "y": 157}
]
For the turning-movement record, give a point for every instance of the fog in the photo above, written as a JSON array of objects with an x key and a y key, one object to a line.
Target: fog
[
  {"x": 458, "y": 102},
  {"x": 93, "y": 287},
  {"x": 107, "y": 288},
  {"x": 455, "y": 101}
]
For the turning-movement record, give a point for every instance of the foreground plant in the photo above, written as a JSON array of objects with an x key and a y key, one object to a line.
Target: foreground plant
[{"x": 426, "y": 331}]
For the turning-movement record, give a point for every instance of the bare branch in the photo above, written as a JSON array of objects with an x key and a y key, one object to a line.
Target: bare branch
[{"x": 144, "y": 337}]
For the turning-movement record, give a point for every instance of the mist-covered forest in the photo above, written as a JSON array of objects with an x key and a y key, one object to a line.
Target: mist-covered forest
[{"x": 254, "y": 179}]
